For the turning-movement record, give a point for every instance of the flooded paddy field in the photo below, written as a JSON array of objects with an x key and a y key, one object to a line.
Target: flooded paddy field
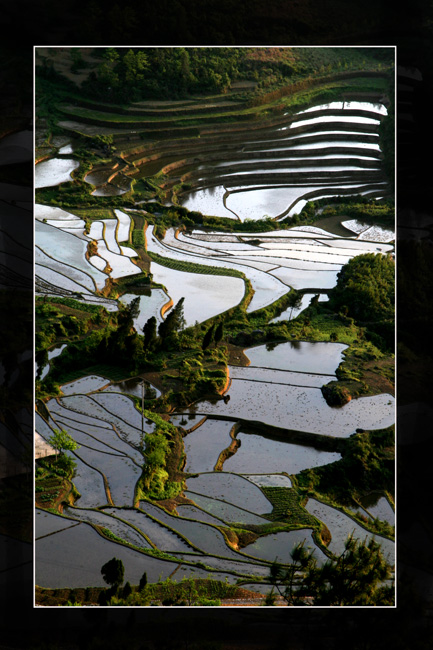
[
  {"x": 260, "y": 454},
  {"x": 280, "y": 545},
  {"x": 205, "y": 295},
  {"x": 341, "y": 525},
  {"x": 204, "y": 445},
  {"x": 379, "y": 506},
  {"x": 301, "y": 356},
  {"x": 326, "y": 150},
  {"x": 307, "y": 408},
  {"x": 54, "y": 171}
]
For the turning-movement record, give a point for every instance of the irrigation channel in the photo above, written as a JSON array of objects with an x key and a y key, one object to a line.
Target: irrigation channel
[{"x": 276, "y": 422}]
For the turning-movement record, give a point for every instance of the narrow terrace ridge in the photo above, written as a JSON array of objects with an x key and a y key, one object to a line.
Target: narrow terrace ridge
[{"x": 306, "y": 438}]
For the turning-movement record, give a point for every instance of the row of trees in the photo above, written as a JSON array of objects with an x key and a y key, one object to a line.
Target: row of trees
[{"x": 126, "y": 75}]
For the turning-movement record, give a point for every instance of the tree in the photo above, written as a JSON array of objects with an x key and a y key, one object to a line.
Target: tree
[
  {"x": 113, "y": 572},
  {"x": 143, "y": 581},
  {"x": 208, "y": 337},
  {"x": 149, "y": 333},
  {"x": 134, "y": 66},
  {"x": 219, "y": 333},
  {"x": 61, "y": 441},
  {"x": 174, "y": 321},
  {"x": 134, "y": 308},
  {"x": 358, "y": 576},
  {"x": 127, "y": 315},
  {"x": 127, "y": 590},
  {"x": 111, "y": 54}
]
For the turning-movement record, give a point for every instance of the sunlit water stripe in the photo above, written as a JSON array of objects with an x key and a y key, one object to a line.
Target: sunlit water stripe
[
  {"x": 287, "y": 140},
  {"x": 375, "y": 107},
  {"x": 49, "y": 212},
  {"x": 354, "y": 144},
  {"x": 71, "y": 224},
  {"x": 54, "y": 171},
  {"x": 124, "y": 225},
  {"x": 284, "y": 255},
  {"x": 110, "y": 235},
  {"x": 321, "y": 154},
  {"x": 305, "y": 170},
  {"x": 354, "y": 119}
]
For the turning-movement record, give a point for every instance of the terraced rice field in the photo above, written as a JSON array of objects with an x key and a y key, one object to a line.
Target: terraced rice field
[{"x": 253, "y": 173}]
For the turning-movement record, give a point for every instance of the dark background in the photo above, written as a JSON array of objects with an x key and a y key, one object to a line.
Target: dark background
[{"x": 251, "y": 22}]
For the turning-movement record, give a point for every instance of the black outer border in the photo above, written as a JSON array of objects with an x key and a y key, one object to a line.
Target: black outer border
[{"x": 24, "y": 25}]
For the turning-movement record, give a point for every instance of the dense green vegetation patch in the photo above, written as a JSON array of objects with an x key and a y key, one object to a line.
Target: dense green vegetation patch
[
  {"x": 287, "y": 507},
  {"x": 158, "y": 478}
]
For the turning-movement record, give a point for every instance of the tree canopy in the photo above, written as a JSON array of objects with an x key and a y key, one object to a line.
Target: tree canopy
[
  {"x": 113, "y": 572},
  {"x": 360, "y": 575},
  {"x": 61, "y": 440},
  {"x": 175, "y": 320},
  {"x": 365, "y": 286}
]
